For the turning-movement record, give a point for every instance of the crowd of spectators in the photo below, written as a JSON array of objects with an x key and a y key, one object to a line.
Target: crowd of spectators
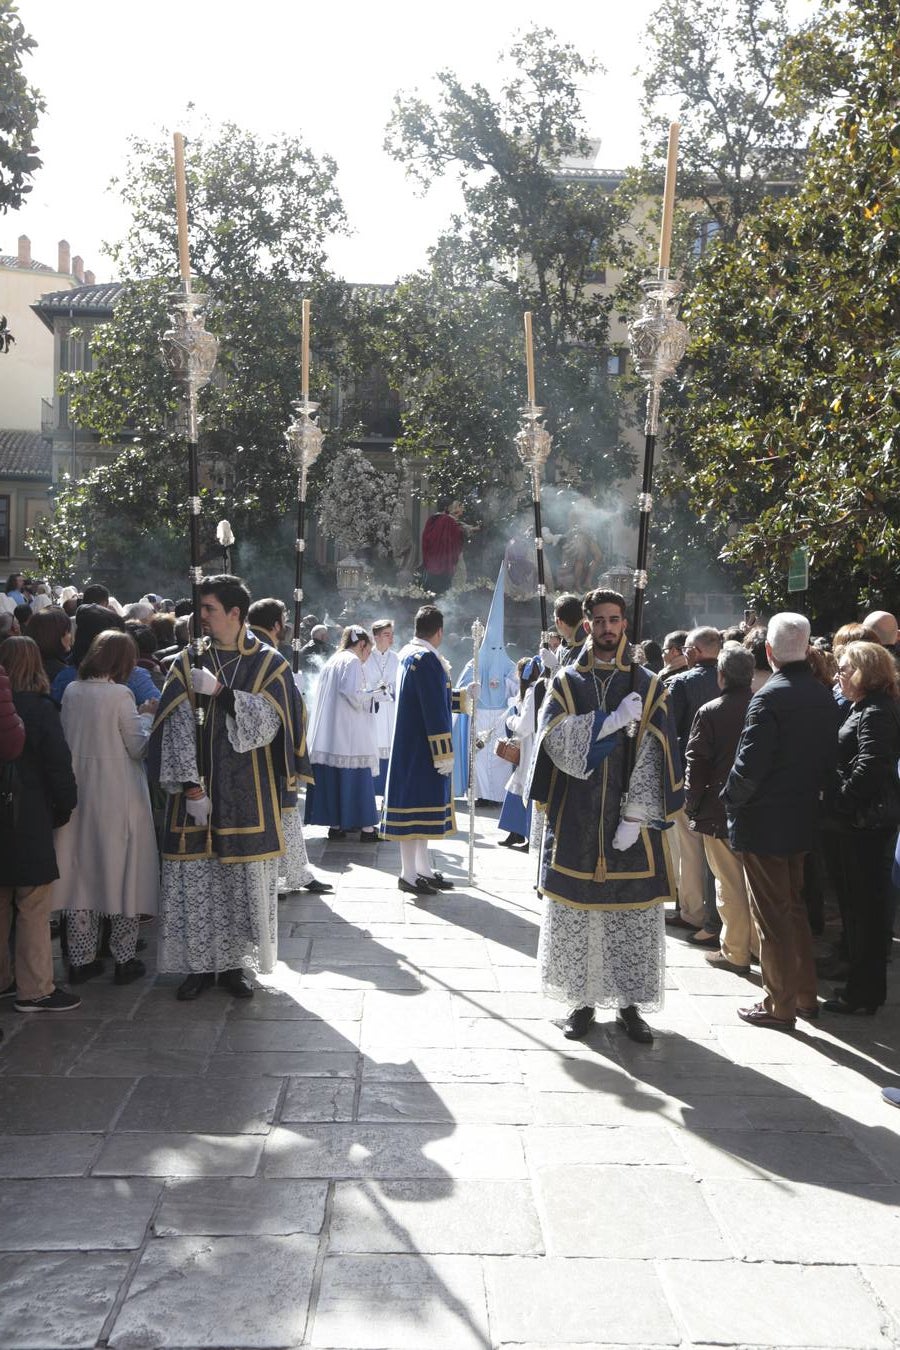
[{"x": 790, "y": 748}]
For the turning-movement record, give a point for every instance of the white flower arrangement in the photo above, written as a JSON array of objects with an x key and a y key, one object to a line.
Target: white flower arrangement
[{"x": 356, "y": 506}]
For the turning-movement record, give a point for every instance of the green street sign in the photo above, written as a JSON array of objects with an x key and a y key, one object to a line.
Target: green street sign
[{"x": 798, "y": 570}]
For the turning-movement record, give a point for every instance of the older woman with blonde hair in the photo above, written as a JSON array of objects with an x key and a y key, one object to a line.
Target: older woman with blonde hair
[
  {"x": 864, "y": 819},
  {"x": 108, "y": 856}
]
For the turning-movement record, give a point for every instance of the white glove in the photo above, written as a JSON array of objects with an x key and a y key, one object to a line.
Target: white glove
[
  {"x": 445, "y": 768},
  {"x": 628, "y": 832},
  {"x": 629, "y": 710},
  {"x": 203, "y": 681},
  {"x": 473, "y": 692},
  {"x": 198, "y": 808},
  {"x": 549, "y": 659}
]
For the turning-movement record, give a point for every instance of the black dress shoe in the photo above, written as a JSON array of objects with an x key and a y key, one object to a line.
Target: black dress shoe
[
  {"x": 316, "y": 887},
  {"x": 839, "y": 1004},
  {"x": 368, "y": 836},
  {"x": 89, "y": 971},
  {"x": 236, "y": 983},
  {"x": 438, "y": 881},
  {"x": 335, "y": 833},
  {"x": 578, "y": 1023},
  {"x": 418, "y": 887},
  {"x": 126, "y": 971},
  {"x": 512, "y": 840},
  {"x": 193, "y": 987},
  {"x": 634, "y": 1026}
]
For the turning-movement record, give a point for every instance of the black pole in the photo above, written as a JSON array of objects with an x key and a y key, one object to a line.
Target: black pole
[
  {"x": 300, "y": 550},
  {"x": 645, "y": 504},
  {"x": 539, "y": 547},
  {"x": 195, "y": 645}
]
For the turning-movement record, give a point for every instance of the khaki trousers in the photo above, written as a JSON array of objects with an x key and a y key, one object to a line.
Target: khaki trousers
[
  {"x": 34, "y": 956},
  {"x": 691, "y": 871},
  {"x": 739, "y": 939},
  {"x": 775, "y": 885}
]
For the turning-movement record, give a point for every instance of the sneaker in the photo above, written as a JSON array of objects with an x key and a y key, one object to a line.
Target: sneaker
[
  {"x": 9, "y": 991},
  {"x": 59, "y": 1001}
]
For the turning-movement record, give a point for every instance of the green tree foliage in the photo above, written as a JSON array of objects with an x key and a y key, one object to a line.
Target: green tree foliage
[
  {"x": 529, "y": 237},
  {"x": 20, "y": 108},
  {"x": 788, "y": 430},
  {"x": 714, "y": 69},
  {"x": 260, "y": 212}
]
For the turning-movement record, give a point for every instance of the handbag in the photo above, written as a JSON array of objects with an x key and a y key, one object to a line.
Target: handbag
[
  {"x": 509, "y": 749},
  {"x": 883, "y": 811}
]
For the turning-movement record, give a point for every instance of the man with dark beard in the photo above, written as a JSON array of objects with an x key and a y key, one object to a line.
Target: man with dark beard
[
  {"x": 223, "y": 834},
  {"x": 605, "y": 870}
]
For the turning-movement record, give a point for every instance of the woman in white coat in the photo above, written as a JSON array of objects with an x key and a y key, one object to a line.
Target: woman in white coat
[
  {"x": 107, "y": 855},
  {"x": 343, "y": 744}
]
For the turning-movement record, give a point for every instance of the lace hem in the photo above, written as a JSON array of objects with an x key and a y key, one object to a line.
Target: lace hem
[
  {"x": 294, "y": 870},
  {"x": 606, "y": 959},
  {"x": 345, "y": 761}
]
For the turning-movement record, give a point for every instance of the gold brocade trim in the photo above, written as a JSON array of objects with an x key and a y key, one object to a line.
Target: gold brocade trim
[
  {"x": 208, "y": 856},
  {"x": 417, "y": 820},
  {"x": 602, "y": 909},
  {"x": 419, "y": 834},
  {"x": 608, "y": 874},
  {"x": 407, "y": 810}
]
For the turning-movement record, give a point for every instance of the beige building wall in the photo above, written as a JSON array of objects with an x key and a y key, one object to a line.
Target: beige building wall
[{"x": 26, "y": 370}]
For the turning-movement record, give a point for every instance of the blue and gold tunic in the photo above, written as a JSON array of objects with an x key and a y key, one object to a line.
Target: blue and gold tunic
[
  {"x": 245, "y": 788},
  {"x": 579, "y": 866},
  {"x": 417, "y": 799}
]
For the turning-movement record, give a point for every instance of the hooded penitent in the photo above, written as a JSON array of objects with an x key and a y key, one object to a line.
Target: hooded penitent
[{"x": 497, "y": 677}]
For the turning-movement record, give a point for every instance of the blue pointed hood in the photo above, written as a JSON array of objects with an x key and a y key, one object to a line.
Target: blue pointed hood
[{"x": 494, "y": 665}]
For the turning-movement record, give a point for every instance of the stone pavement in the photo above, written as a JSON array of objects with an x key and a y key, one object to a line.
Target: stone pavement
[{"x": 392, "y": 1146}]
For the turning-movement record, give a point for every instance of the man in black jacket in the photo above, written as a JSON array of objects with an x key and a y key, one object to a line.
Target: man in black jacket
[
  {"x": 787, "y": 749},
  {"x": 688, "y": 691}
]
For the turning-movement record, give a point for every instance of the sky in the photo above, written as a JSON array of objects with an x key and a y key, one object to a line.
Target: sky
[{"x": 328, "y": 73}]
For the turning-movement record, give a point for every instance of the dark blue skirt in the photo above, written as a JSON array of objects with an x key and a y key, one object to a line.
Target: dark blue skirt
[
  {"x": 381, "y": 777},
  {"x": 341, "y": 798},
  {"x": 514, "y": 817}
]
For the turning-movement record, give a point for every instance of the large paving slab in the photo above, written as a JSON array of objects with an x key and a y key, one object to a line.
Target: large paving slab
[
  {"x": 551, "y": 1302},
  {"x": 369, "y": 1150},
  {"x": 647, "y": 1212},
  {"x": 35, "y": 1104},
  {"x": 229, "y": 1206},
  {"x": 372, "y": 1302},
  {"x": 179, "y": 1155},
  {"x": 776, "y": 1305},
  {"x": 74, "y": 1214},
  {"x": 218, "y": 1291},
  {"x": 58, "y": 1298},
  {"x": 203, "y": 1105}
]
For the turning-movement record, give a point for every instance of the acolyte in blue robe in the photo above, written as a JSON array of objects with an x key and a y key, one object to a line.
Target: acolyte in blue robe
[
  {"x": 417, "y": 800},
  {"x": 579, "y": 866}
]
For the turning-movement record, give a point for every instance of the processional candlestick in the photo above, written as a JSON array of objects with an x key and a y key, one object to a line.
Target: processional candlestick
[
  {"x": 477, "y": 639},
  {"x": 190, "y": 353},
  {"x": 533, "y": 443},
  {"x": 658, "y": 342},
  {"x": 304, "y": 440}
]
